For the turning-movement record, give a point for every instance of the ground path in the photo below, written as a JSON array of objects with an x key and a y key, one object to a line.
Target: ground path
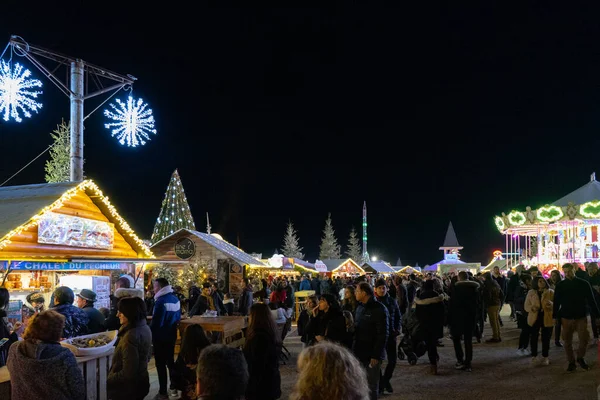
[{"x": 498, "y": 373}]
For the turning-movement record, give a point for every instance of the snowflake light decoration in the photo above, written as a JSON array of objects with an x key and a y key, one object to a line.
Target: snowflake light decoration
[
  {"x": 16, "y": 95},
  {"x": 133, "y": 122}
]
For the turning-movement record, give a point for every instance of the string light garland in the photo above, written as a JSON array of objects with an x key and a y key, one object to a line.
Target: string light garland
[
  {"x": 16, "y": 96},
  {"x": 591, "y": 209},
  {"x": 549, "y": 213},
  {"x": 516, "y": 218},
  {"x": 499, "y": 223},
  {"x": 85, "y": 185},
  {"x": 133, "y": 122}
]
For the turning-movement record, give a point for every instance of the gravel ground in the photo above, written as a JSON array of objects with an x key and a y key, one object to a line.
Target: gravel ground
[{"x": 498, "y": 373}]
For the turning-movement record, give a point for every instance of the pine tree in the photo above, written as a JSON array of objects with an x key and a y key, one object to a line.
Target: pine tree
[
  {"x": 291, "y": 246},
  {"x": 164, "y": 271},
  {"x": 329, "y": 249},
  {"x": 354, "y": 250},
  {"x": 175, "y": 213},
  {"x": 58, "y": 167}
]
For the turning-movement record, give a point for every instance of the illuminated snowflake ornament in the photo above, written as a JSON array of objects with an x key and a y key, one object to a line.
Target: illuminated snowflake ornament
[
  {"x": 16, "y": 96},
  {"x": 133, "y": 122}
]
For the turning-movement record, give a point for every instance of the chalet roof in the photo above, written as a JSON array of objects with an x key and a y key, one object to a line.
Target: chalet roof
[
  {"x": 334, "y": 263},
  {"x": 588, "y": 192},
  {"x": 380, "y": 267},
  {"x": 450, "y": 242},
  {"x": 223, "y": 246},
  {"x": 18, "y": 204}
]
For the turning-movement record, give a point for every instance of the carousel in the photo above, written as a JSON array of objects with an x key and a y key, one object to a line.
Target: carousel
[{"x": 554, "y": 234}]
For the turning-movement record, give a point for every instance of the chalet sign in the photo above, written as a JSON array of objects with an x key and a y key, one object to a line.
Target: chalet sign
[
  {"x": 185, "y": 248},
  {"x": 67, "y": 230},
  {"x": 62, "y": 266}
]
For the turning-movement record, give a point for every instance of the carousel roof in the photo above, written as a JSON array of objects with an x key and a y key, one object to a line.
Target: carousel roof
[{"x": 588, "y": 192}]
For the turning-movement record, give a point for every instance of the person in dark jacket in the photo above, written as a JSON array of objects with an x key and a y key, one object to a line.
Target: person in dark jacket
[
  {"x": 315, "y": 284},
  {"x": 261, "y": 350},
  {"x": 193, "y": 295},
  {"x": 519, "y": 296},
  {"x": 305, "y": 283},
  {"x": 501, "y": 281},
  {"x": 327, "y": 321},
  {"x": 128, "y": 377},
  {"x": 556, "y": 277},
  {"x": 492, "y": 298},
  {"x": 40, "y": 351},
  {"x": 382, "y": 295},
  {"x": 430, "y": 313},
  {"x": 511, "y": 287},
  {"x": 204, "y": 303},
  {"x": 7, "y": 330},
  {"x": 96, "y": 321},
  {"x": 463, "y": 306},
  {"x": 246, "y": 298},
  {"x": 76, "y": 320},
  {"x": 370, "y": 334},
  {"x": 122, "y": 289},
  {"x": 304, "y": 318},
  {"x": 165, "y": 319},
  {"x": 401, "y": 295},
  {"x": 194, "y": 340},
  {"x": 411, "y": 289},
  {"x": 572, "y": 297}
]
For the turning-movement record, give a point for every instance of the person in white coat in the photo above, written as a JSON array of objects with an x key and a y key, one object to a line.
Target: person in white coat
[{"x": 539, "y": 304}]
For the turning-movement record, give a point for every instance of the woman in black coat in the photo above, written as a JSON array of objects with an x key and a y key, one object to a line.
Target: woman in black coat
[
  {"x": 327, "y": 321},
  {"x": 430, "y": 313},
  {"x": 128, "y": 378},
  {"x": 262, "y": 349}
]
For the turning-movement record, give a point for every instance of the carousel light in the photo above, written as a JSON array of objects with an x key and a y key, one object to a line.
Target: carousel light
[
  {"x": 549, "y": 213},
  {"x": 500, "y": 224},
  {"x": 516, "y": 218},
  {"x": 591, "y": 209}
]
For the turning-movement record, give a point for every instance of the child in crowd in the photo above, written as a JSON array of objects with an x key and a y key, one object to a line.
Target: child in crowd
[{"x": 193, "y": 342}]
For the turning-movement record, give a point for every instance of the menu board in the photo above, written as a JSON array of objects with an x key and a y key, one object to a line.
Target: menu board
[
  {"x": 14, "y": 312},
  {"x": 54, "y": 228},
  {"x": 102, "y": 289}
]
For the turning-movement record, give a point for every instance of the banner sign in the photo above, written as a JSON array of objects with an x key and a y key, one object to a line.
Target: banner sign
[
  {"x": 3, "y": 265},
  {"x": 67, "y": 230},
  {"x": 320, "y": 266},
  {"x": 62, "y": 266},
  {"x": 185, "y": 248}
]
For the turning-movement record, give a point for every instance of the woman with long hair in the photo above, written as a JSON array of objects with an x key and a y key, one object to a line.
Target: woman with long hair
[
  {"x": 193, "y": 342},
  {"x": 349, "y": 303},
  {"x": 262, "y": 349},
  {"x": 128, "y": 377},
  {"x": 6, "y": 329},
  {"x": 539, "y": 305},
  {"x": 556, "y": 277},
  {"x": 327, "y": 321},
  {"x": 329, "y": 371}
]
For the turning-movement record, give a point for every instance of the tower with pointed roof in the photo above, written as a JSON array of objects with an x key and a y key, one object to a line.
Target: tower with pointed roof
[
  {"x": 451, "y": 246},
  {"x": 365, "y": 254}
]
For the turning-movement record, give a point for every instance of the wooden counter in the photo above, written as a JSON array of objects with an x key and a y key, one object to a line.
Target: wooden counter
[
  {"x": 231, "y": 327},
  {"x": 94, "y": 368}
]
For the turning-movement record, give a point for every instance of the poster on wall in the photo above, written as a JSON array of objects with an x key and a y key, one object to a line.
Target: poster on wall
[
  {"x": 54, "y": 228},
  {"x": 236, "y": 279},
  {"x": 102, "y": 288}
]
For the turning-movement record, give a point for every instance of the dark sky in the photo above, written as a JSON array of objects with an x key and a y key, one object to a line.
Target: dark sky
[{"x": 430, "y": 113}]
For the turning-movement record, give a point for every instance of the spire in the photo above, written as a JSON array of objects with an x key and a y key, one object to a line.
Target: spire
[
  {"x": 593, "y": 177},
  {"x": 365, "y": 253},
  {"x": 207, "y": 224},
  {"x": 450, "y": 242}
]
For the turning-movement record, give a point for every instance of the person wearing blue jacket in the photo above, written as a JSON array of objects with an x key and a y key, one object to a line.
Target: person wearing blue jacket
[
  {"x": 305, "y": 283},
  {"x": 165, "y": 318}
]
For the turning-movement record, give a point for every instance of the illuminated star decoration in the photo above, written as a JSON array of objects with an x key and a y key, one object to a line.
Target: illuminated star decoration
[
  {"x": 15, "y": 94},
  {"x": 133, "y": 122}
]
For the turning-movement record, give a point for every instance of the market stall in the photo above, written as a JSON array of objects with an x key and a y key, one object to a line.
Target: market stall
[
  {"x": 63, "y": 234},
  {"x": 553, "y": 234},
  {"x": 216, "y": 256},
  {"x": 279, "y": 265},
  {"x": 341, "y": 267},
  {"x": 378, "y": 267}
]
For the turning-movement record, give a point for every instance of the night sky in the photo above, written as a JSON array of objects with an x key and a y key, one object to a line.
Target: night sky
[{"x": 431, "y": 114}]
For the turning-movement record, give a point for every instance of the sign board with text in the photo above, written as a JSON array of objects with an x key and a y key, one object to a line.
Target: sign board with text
[{"x": 66, "y": 230}]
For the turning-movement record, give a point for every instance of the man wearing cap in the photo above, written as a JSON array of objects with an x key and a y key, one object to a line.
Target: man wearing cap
[{"x": 96, "y": 321}]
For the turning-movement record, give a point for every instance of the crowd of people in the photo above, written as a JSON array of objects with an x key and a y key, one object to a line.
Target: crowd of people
[{"x": 349, "y": 329}]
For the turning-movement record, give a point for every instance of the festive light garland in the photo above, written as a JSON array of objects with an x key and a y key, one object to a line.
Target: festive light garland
[
  {"x": 87, "y": 184},
  {"x": 591, "y": 209},
  {"x": 133, "y": 122},
  {"x": 549, "y": 213},
  {"x": 516, "y": 218},
  {"x": 499, "y": 223}
]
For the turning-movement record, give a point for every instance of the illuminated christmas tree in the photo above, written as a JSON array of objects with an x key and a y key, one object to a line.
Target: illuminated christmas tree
[{"x": 175, "y": 213}]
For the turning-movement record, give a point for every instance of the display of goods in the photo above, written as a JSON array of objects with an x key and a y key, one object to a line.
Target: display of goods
[
  {"x": 92, "y": 344},
  {"x": 18, "y": 284},
  {"x": 8, "y": 284},
  {"x": 12, "y": 277},
  {"x": 43, "y": 279},
  {"x": 34, "y": 283}
]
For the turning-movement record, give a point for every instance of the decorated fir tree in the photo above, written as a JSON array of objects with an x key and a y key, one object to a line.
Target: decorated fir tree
[
  {"x": 291, "y": 246},
  {"x": 58, "y": 167},
  {"x": 175, "y": 213},
  {"x": 329, "y": 249},
  {"x": 165, "y": 271},
  {"x": 354, "y": 250}
]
